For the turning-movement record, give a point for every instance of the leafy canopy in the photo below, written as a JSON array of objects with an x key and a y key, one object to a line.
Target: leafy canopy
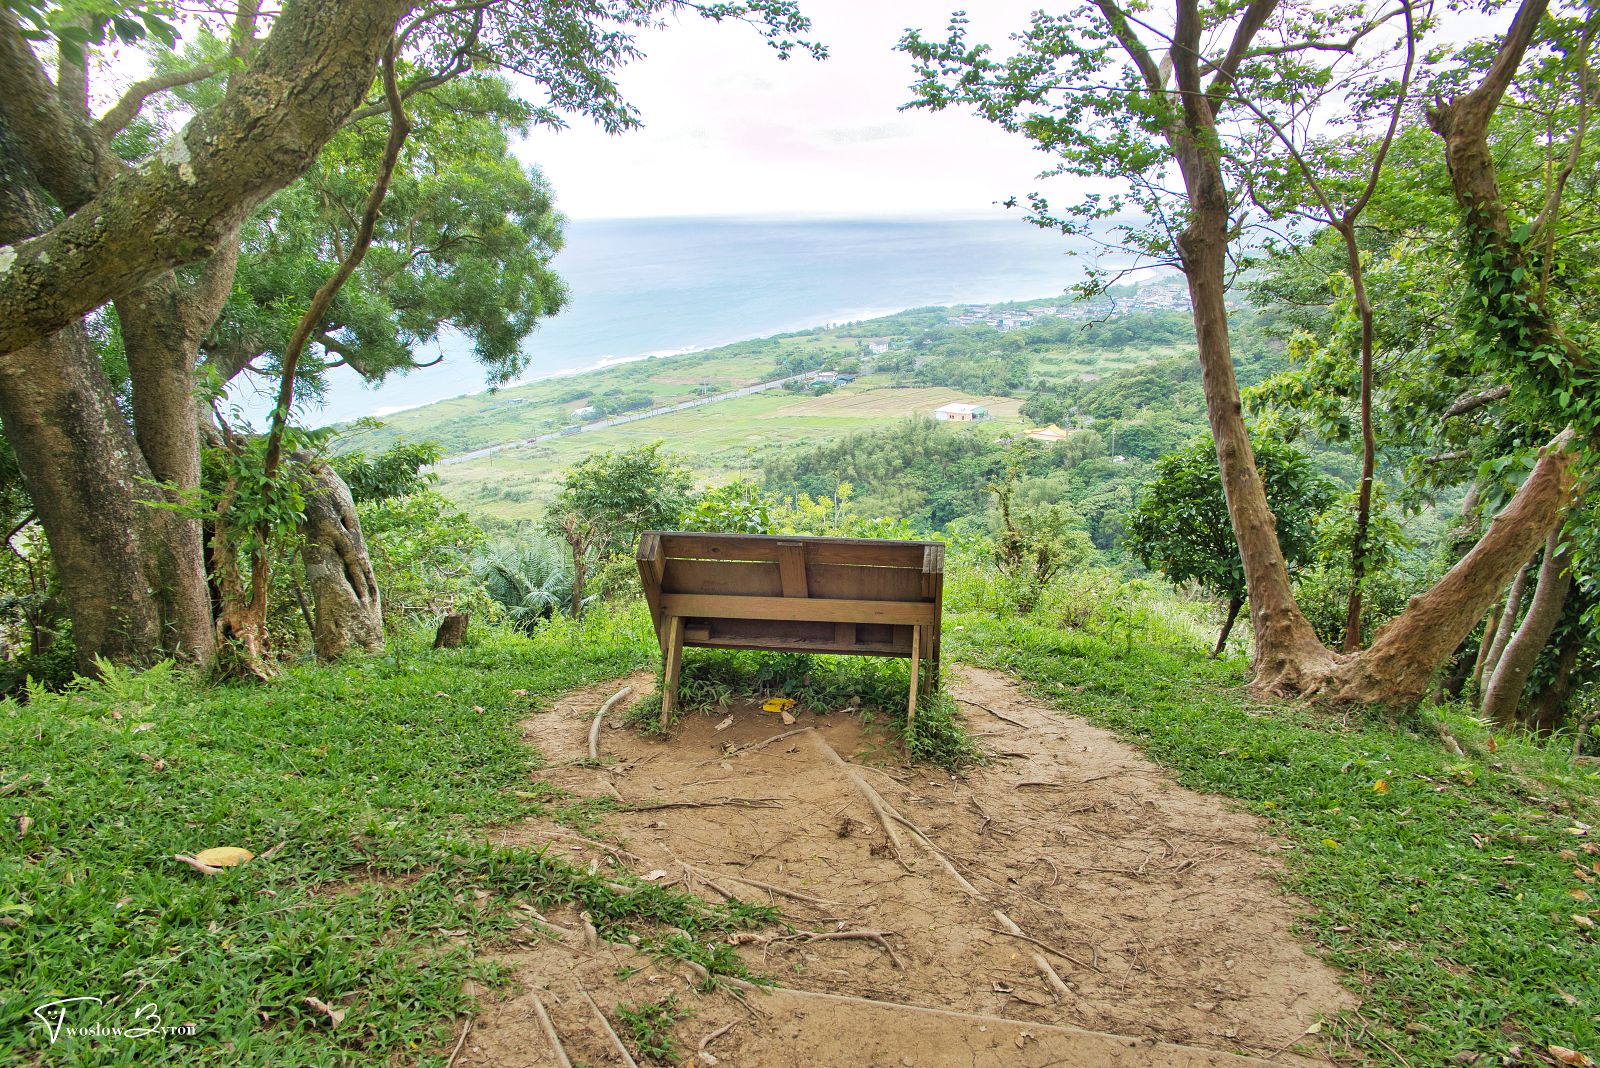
[{"x": 1180, "y": 524}]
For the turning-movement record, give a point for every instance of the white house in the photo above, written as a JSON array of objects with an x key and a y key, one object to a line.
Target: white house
[{"x": 960, "y": 413}]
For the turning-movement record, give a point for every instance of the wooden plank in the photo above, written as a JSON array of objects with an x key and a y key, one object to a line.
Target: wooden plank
[
  {"x": 897, "y": 650},
  {"x": 669, "y": 681},
  {"x": 916, "y": 659},
  {"x": 865, "y": 583},
  {"x": 651, "y": 563},
  {"x": 933, "y": 574},
  {"x": 844, "y": 633},
  {"x": 734, "y": 577},
  {"x": 708, "y": 606},
  {"x": 862, "y": 551},
  {"x": 792, "y": 568},
  {"x": 932, "y": 569}
]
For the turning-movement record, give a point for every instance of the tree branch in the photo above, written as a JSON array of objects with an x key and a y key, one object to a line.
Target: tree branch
[
  {"x": 1476, "y": 401},
  {"x": 127, "y": 109},
  {"x": 66, "y": 163},
  {"x": 180, "y": 206},
  {"x": 399, "y": 130}
]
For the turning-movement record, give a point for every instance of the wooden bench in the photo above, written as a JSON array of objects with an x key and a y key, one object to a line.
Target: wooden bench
[{"x": 854, "y": 596}]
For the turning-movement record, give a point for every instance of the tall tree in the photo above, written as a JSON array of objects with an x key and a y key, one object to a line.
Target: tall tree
[
  {"x": 1117, "y": 94},
  {"x": 106, "y": 209}
]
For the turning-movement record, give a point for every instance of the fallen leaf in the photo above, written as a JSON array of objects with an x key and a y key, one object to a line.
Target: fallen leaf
[
  {"x": 1314, "y": 1029},
  {"x": 1568, "y": 998},
  {"x": 1578, "y": 895},
  {"x": 1582, "y": 876},
  {"x": 1583, "y": 921},
  {"x": 788, "y": 719},
  {"x": 724, "y": 725},
  {"x": 1330, "y": 843},
  {"x": 519, "y": 693},
  {"x": 199, "y": 866},
  {"x": 659, "y": 873},
  {"x": 1571, "y": 1056},
  {"x": 1380, "y": 787},
  {"x": 1492, "y": 745},
  {"x": 335, "y": 1016},
  {"x": 441, "y": 694},
  {"x": 225, "y": 856},
  {"x": 140, "y": 728},
  {"x": 24, "y": 823},
  {"x": 478, "y": 709}
]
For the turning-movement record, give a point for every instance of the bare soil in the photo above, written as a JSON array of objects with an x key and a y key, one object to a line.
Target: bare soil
[{"x": 1155, "y": 907}]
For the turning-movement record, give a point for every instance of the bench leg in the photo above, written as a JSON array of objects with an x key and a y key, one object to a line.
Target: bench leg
[
  {"x": 916, "y": 662},
  {"x": 669, "y": 684}
]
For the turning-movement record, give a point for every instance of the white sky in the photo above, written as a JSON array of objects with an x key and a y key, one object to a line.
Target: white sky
[{"x": 732, "y": 130}]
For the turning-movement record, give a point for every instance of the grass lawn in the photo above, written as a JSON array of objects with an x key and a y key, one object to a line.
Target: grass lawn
[
  {"x": 376, "y": 778},
  {"x": 720, "y": 440},
  {"x": 1446, "y": 886}
]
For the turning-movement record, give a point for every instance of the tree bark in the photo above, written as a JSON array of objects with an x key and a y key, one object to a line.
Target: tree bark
[
  {"x": 1503, "y": 696},
  {"x": 1407, "y": 650},
  {"x": 344, "y": 592},
  {"x": 159, "y": 338},
  {"x": 79, "y": 464},
  {"x": 1505, "y": 624},
  {"x": 304, "y": 80},
  {"x": 1234, "y": 604}
]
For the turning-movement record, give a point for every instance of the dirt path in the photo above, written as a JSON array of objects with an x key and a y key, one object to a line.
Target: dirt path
[{"x": 1152, "y": 905}]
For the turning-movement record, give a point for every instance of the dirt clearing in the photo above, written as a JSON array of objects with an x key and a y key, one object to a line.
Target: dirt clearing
[{"x": 1086, "y": 911}]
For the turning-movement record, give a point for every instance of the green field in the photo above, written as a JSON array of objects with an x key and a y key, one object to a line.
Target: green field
[
  {"x": 718, "y": 440},
  {"x": 731, "y": 437}
]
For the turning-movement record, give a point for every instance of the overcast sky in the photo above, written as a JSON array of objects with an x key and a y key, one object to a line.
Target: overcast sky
[{"x": 732, "y": 130}]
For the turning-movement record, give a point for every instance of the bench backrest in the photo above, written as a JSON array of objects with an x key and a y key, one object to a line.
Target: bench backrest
[{"x": 856, "y": 596}]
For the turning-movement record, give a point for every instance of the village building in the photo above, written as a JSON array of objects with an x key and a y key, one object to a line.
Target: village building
[{"x": 960, "y": 413}]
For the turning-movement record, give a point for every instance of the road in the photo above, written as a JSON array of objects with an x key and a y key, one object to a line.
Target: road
[{"x": 619, "y": 420}]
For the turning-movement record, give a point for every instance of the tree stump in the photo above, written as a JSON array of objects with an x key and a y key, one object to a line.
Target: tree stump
[{"x": 452, "y": 631}]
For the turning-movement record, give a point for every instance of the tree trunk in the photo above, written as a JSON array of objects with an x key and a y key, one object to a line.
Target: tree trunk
[
  {"x": 344, "y": 592},
  {"x": 1503, "y": 696},
  {"x": 1491, "y": 625},
  {"x": 1506, "y": 625},
  {"x": 161, "y": 357},
  {"x": 1288, "y": 656},
  {"x": 1234, "y": 604},
  {"x": 580, "y": 577},
  {"x": 86, "y": 478},
  {"x": 1548, "y": 709},
  {"x": 452, "y": 630},
  {"x": 78, "y": 463},
  {"x": 1408, "y": 649}
]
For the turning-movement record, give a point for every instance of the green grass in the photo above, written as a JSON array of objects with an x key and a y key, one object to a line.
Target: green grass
[
  {"x": 650, "y": 1025},
  {"x": 1447, "y": 892},
  {"x": 376, "y": 776}
]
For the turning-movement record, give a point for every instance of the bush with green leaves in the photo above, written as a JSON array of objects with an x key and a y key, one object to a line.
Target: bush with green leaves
[
  {"x": 1180, "y": 525},
  {"x": 531, "y": 581},
  {"x": 422, "y": 548}
]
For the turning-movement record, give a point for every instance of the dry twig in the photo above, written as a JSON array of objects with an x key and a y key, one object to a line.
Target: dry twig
[
  {"x": 549, "y": 1029},
  {"x": 605, "y": 1025},
  {"x": 594, "y": 728}
]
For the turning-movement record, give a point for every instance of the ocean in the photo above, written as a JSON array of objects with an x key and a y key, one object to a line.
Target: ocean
[{"x": 652, "y": 286}]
